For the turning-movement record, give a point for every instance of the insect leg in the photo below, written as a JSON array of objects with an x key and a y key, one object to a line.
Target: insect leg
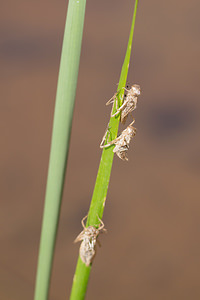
[
  {"x": 82, "y": 222},
  {"x": 101, "y": 224},
  {"x": 120, "y": 109},
  {"x": 111, "y": 99},
  {"x": 132, "y": 121},
  {"x": 107, "y": 134}
]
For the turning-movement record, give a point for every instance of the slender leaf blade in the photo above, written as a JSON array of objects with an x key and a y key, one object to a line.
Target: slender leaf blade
[{"x": 82, "y": 272}]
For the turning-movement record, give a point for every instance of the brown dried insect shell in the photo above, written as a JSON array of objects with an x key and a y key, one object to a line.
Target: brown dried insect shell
[
  {"x": 122, "y": 142},
  {"x": 130, "y": 102},
  {"x": 88, "y": 237}
]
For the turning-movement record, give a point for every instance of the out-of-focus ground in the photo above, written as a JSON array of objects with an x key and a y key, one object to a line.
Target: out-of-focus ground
[{"x": 152, "y": 248}]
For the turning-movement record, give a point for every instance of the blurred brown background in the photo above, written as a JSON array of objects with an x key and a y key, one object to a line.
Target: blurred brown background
[{"x": 152, "y": 249}]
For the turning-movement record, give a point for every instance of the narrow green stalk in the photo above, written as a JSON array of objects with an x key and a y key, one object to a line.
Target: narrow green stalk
[
  {"x": 82, "y": 272},
  {"x": 65, "y": 98}
]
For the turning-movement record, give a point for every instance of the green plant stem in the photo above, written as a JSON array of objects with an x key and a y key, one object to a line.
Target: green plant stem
[
  {"x": 65, "y": 98},
  {"x": 82, "y": 272}
]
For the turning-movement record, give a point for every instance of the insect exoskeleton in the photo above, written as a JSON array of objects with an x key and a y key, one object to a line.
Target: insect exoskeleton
[
  {"x": 129, "y": 102},
  {"x": 88, "y": 237},
  {"x": 122, "y": 142}
]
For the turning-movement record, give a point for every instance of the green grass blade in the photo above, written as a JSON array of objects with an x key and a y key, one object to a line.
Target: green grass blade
[
  {"x": 82, "y": 272},
  {"x": 65, "y": 98}
]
